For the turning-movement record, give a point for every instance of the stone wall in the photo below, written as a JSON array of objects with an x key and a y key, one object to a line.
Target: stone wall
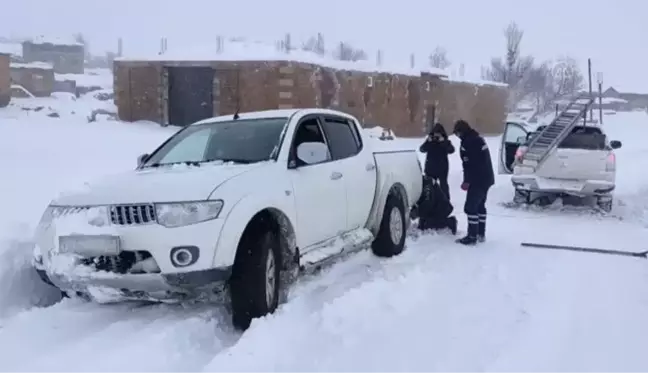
[
  {"x": 38, "y": 81},
  {"x": 402, "y": 103},
  {"x": 5, "y": 80}
]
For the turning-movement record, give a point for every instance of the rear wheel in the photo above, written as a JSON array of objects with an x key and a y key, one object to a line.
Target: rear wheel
[
  {"x": 390, "y": 239},
  {"x": 520, "y": 197},
  {"x": 255, "y": 281},
  {"x": 604, "y": 203}
]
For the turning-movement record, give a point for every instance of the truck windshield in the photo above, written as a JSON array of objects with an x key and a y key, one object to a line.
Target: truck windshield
[
  {"x": 239, "y": 141},
  {"x": 581, "y": 137}
]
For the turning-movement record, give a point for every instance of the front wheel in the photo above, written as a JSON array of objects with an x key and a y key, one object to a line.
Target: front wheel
[
  {"x": 390, "y": 240},
  {"x": 255, "y": 281}
]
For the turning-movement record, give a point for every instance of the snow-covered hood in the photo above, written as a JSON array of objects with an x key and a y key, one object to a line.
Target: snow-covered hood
[{"x": 167, "y": 184}]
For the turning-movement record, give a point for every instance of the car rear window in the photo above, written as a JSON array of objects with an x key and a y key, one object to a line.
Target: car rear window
[{"x": 587, "y": 138}]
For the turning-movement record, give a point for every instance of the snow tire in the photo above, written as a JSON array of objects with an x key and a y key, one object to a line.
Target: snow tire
[
  {"x": 393, "y": 218},
  {"x": 255, "y": 282},
  {"x": 604, "y": 203}
]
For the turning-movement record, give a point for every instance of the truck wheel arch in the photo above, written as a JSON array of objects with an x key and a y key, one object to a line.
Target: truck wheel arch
[
  {"x": 381, "y": 199},
  {"x": 240, "y": 219}
]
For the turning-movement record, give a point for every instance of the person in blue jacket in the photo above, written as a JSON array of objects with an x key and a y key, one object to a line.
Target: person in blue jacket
[{"x": 478, "y": 177}]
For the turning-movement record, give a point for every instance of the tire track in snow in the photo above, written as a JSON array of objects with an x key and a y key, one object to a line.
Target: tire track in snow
[
  {"x": 437, "y": 307},
  {"x": 590, "y": 317},
  {"x": 78, "y": 336}
]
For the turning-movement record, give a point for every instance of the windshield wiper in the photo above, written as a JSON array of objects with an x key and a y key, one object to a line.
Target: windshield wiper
[
  {"x": 234, "y": 160},
  {"x": 188, "y": 163}
]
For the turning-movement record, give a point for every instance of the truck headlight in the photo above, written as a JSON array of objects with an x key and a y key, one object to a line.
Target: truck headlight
[
  {"x": 185, "y": 213},
  {"x": 97, "y": 216}
]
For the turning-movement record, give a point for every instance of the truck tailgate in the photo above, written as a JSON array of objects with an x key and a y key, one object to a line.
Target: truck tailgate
[
  {"x": 575, "y": 164},
  {"x": 400, "y": 166}
]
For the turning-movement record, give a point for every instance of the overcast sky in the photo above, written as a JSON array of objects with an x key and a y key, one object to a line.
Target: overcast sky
[{"x": 613, "y": 33}]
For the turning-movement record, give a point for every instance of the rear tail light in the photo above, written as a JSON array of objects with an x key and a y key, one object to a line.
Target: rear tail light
[
  {"x": 610, "y": 162},
  {"x": 519, "y": 153}
]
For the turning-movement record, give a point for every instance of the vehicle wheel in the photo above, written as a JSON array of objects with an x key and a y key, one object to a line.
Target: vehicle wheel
[
  {"x": 604, "y": 203},
  {"x": 255, "y": 282},
  {"x": 520, "y": 197},
  {"x": 390, "y": 239}
]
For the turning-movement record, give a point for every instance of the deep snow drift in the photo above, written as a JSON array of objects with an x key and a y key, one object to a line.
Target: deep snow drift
[{"x": 436, "y": 307}]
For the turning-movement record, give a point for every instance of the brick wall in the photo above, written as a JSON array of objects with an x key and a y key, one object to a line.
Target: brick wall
[{"x": 402, "y": 103}]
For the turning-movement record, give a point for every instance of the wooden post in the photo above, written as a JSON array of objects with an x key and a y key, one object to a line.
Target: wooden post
[
  {"x": 599, "y": 78},
  {"x": 288, "y": 43},
  {"x": 589, "y": 74}
]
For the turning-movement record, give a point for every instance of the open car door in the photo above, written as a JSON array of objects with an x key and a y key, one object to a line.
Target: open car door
[{"x": 514, "y": 135}]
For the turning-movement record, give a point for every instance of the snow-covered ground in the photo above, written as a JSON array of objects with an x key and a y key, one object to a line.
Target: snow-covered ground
[{"x": 437, "y": 307}]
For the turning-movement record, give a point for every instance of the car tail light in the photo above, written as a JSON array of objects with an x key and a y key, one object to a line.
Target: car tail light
[
  {"x": 610, "y": 162},
  {"x": 519, "y": 153}
]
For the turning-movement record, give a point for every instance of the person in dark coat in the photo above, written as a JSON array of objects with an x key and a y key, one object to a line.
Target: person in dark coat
[
  {"x": 437, "y": 147},
  {"x": 478, "y": 177},
  {"x": 433, "y": 209}
]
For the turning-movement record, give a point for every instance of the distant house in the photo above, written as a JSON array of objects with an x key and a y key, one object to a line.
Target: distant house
[
  {"x": 36, "y": 77},
  {"x": 611, "y": 92},
  {"x": 634, "y": 101},
  {"x": 67, "y": 57},
  {"x": 612, "y": 103}
]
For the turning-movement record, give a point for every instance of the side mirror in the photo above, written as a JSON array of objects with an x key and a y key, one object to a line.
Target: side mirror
[
  {"x": 142, "y": 159},
  {"x": 615, "y": 144},
  {"x": 521, "y": 139},
  {"x": 313, "y": 152}
]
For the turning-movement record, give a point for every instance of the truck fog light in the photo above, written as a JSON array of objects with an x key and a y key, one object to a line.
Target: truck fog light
[{"x": 183, "y": 256}]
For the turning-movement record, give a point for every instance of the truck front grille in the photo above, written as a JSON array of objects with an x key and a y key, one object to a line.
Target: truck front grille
[{"x": 133, "y": 214}]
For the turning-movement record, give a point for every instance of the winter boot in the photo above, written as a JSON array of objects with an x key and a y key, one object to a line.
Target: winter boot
[
  {"x": 481, "y": 232},
  {"x": 452, "y": 224},
  {"x": 471, "y": 237}
]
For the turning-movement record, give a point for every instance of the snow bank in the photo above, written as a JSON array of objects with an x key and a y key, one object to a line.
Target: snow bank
[
  {"x": 102, "y": 78},
  {"x": 20, "y": 286}
]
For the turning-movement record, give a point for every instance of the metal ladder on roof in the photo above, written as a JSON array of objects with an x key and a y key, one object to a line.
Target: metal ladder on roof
[{"x": 552, "y": 135}]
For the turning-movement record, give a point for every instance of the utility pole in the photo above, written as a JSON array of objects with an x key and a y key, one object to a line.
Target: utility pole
[{"x": 599, "y": 78}]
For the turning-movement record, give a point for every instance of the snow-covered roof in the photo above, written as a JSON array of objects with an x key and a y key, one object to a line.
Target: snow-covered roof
[
  {"x": 245, "y": 50},
  {"x": 31, "y": 65},
  {"x": 55, "y": 40},
  {"x": 13, "y": 49},
  {"x": 235, "y": 50}
]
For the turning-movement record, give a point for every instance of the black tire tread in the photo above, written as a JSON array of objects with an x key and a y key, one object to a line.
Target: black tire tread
[
  {"x": 247, "y": 284},
  {"x": 382, "y": 246}
]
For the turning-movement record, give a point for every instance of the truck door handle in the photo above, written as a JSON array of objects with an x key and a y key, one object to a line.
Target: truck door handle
[
  {"x": 336, "y": 176},
  {"x": 370, "y": 167}
]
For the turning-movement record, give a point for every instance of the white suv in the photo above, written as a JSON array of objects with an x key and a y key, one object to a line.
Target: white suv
[{"x": 582, "y": 165}]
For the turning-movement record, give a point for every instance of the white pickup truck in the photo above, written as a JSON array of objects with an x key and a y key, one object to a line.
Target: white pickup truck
[
  {"x": 241, "y": 203},
  {"x": 582, "y": 165}
]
